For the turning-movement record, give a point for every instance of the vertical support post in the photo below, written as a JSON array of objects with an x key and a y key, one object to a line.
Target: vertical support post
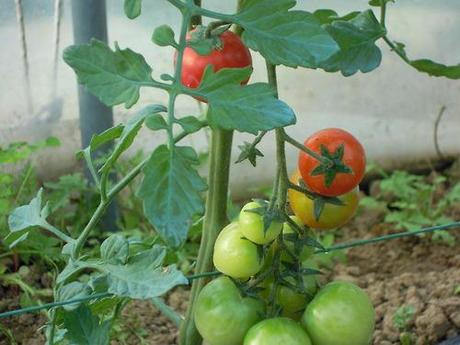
[{"x": 90, "y": 21}]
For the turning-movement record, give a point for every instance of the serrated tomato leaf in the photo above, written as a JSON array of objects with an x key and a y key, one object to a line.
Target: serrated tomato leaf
[
  {"x": 250, "y": 108},
  {"x": 143, "y": 276},
  {"x": 85, "y": 328},
  {"x": 70, "y": 291},
  {"x": 129, "y": 132},
  {"x": 115, "y": 77},
  {"x": 430, "y": 67},
  {"x": 436, "y": 69},
  {"x": 356, "y": 39},
  {"x": 115, "y": 249},
  {"x": 171, "y": 192},
  {"x": 283, "y": 37}
]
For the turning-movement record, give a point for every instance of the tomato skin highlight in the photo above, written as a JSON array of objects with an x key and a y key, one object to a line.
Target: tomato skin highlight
[
  {"x": 354, "y": 157},
  {"x": 235, "y": 255},
  {"x": 233, "y": 54},
  {"x": 252, "y": 225},
  {"x": 222, "y": 315},
  {"x": 277, "y": 331},
  {"x": 332, "y": 216},
  {"x": 341, "y": 313}
]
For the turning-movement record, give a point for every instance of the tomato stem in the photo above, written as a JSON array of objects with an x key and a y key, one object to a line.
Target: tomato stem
[
  {"x": 196, "y": 19},
  {"x": 215, "y": 219},
  {"x": 295, "y": 143}
]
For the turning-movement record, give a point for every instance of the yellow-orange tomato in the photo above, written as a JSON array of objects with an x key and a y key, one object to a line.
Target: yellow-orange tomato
[{"x": 332, "y": 216}]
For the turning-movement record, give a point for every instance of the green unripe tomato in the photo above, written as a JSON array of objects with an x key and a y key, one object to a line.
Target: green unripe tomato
[
  {"x": 252, "y": 225},
  {"x": 234, "y": 255},
  {"x": 306, "y": 252},
  {"x": 292, "y": 302},
  {"x": 341, "y": 313},
  {"x": 222, "y": 315},
  {"x": 277, "y": 331}
]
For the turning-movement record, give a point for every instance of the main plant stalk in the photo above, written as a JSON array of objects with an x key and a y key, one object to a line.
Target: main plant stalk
[{"x": 215, "y": 219}]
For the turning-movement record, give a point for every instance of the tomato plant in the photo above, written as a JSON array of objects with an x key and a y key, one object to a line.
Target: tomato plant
[
  {"x": 331, "y": 217},
  {"x": 277, "y": 331},
  {"x": 344, "y": 166},
  {"x": 236, "y": 256},
  {"x": 340, "y": 313},
  {"x": 213, "y": 63},
  {"x": 222, "y": 315},
  {"x": 228, "y": 51}
]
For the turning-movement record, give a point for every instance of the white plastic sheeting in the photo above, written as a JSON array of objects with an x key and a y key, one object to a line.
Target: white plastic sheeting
[{"x": 392, "y": 110}]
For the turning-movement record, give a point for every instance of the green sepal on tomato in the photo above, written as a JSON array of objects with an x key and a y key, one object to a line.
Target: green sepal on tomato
[
  {"x": 341, "y": 313},
  {"x": 306, "y": 251},
  {"x": 277, "y": 331},
  {"x": 291, "y": 301},
  {"x": 331, "y": 217},
  {"x": 343, "y": 167},
  {"x": 222, "y": 315},
  {"x": 252, "y": 225},
  {"x": 235, "y": 255}
]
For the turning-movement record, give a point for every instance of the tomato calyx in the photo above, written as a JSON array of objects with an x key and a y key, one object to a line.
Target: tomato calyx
[
  {"x": 319, "y": 201},
  {"x": 205, "y": 39},
  {"x": 331, "y": 165},
  {"x": 249, "y": 152},
  {"x": 269, "y": 214}
]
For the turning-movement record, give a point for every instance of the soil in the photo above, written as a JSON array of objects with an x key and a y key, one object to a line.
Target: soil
[{"x": 414, "y": 271}]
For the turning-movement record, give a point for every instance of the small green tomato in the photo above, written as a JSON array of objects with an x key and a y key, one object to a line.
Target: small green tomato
[
  {"x": 252, "y": 225},
  {"x": 234, "y": 255}
]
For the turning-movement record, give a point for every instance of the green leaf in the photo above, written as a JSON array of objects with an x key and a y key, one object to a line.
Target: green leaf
[
  {"x": 290, "y": 38},
  {"x": 249, "y": 108},
  {"x": 85, "y": 328},
  {"x": 27, "y": 216},
  {"x": 20, "y": 151},
  {"x": 98, "y": 140},
  {"x": 143, "y": 276},
  {"x": 377, "y": 3},
  {"x": 115, "y": 77},
  {"x": 129, "y": 132},
  {"x": 69, "y": 270},
  {"x": 436, "y": 69},
  {"x": 325, "y": 16},
  {"x": 356, "y": 39},
  {"x": 171, "y": 192},
  {"x": 190, "y": 124},
  {"x": 72, "y": 291},
  {"x": 156, "y": 122},
  {"x": 133, "y": 8},
  {"x": 115, "y": 249},
  {"x": 164, "y": 36}
]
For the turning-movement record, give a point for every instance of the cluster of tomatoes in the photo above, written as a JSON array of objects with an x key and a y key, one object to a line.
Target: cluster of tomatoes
[{"x": 231, "y": 309}]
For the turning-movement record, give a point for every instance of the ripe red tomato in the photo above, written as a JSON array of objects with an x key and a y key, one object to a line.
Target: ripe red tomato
[
  {"x": 233, "y": 54},
  {"x": 332, "y": 216},
  {"x": 354, "y": 157}
]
